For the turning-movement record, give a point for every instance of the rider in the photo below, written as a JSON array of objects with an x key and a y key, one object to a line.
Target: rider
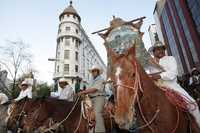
[
  {"x": 168, "y": 77},
  {"x": 97, "y": 94},
  {"x": 26, "y": 90},
  {"x": 66, "y": 92}
]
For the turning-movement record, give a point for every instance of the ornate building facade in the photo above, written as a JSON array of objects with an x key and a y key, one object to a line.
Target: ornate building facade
[{"x": 75, "y": 53}]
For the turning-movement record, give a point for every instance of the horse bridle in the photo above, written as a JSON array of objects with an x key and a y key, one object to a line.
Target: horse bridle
[
  {"x": 20, "y": 115},
  {"x": 137, "y": 86}
]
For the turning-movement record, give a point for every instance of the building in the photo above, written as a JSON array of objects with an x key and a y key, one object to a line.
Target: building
[
  {"x": 75, "y": 53},
  {"x": 179, "y": 21},
  {"x": 153, "y": 34}
]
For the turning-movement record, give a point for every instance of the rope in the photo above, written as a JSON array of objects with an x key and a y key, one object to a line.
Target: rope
[
  {"x": 56, "y": 125},
  {"x": 22, "y": 111},
  {"x": 143, "y": 117},
  {"x": 180, "y": 100},
  {"x": 177, "y": 122},
  {"x": 79, "y": 123},
  {"x": 137, "y": 85}
]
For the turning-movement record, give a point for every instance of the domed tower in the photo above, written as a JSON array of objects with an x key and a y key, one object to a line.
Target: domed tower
[{"x": 68, "y": 44}]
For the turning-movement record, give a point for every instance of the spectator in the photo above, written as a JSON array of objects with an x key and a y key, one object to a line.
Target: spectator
[
  {"x": 66, "y": 92},
  {"x": 80, "y": 85},
  {"x": 195, "y": 78}
]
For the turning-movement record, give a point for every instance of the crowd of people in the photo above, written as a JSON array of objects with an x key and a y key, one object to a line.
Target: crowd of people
[{"x": 191, "y": 83}]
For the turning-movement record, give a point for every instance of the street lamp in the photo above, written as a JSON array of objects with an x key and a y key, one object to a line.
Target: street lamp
[{"x": 53, "y": 59}]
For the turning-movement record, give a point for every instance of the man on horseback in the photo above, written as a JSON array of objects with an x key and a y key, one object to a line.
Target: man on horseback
[
  {"x": 66, "y": 92},
  {"x": 26, "y": 90},
  {"x": 97, "y": 94},
  {"x": 168, "y": 77}
]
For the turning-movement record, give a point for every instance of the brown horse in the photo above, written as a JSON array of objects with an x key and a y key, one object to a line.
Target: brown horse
[
  {"x": 40, "y": 115},
  {"x": 137, "y": 98},
  {"x": 49, "y": 115}
]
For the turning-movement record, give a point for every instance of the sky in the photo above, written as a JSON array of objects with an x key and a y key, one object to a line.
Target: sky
[{"x": 36, "y": 23}]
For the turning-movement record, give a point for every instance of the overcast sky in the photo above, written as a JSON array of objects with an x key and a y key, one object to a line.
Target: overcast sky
[{"x": 36, "y": 22}]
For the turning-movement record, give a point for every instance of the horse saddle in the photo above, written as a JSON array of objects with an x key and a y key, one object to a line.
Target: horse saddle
[{"x": 88, "y": 111}]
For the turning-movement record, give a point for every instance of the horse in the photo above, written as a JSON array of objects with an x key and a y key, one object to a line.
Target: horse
[
  {"x": 4, "y": 116},
  {"x": 139, "y": 99},
  {"x": 31, "y": 115},
  {"x": 49, "y": 114}
]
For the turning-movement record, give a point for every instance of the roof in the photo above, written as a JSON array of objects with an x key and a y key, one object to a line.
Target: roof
[{"x": 70, "y": 10}]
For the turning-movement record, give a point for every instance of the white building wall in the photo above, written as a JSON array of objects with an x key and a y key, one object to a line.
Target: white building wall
[
  {"x": 158, "y": 27},
  {"x": 87, "y": 53},
  {"x": 153, "y": 34}
]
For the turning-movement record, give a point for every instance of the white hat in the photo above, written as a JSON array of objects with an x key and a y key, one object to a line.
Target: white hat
[
  {"x": 157, "y": 45},
  {"x": 25, "y": 82},
  {"x": 96, "y": 67},
  {"x": 63, "y": 80},
  {"x": 109, "y": 79},
  {"x": 194, "y": 69}
]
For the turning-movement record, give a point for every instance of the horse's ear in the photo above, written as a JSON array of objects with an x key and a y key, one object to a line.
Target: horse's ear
[
  {"x": 102, "y": 35},
  {"x": 138, "y": 24}
]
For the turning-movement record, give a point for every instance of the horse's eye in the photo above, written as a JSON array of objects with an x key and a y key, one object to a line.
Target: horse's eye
[{"x": 132, "y": 75}]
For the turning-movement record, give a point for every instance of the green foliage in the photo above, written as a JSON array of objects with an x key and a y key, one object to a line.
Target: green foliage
[{"x": 43, "y": 90}]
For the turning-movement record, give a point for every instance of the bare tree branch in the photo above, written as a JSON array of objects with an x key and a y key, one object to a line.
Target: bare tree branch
[{"x": 16, "y": 53}]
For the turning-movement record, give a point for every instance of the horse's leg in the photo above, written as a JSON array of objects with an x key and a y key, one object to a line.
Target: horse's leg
[{"x": 195, "y": 128}]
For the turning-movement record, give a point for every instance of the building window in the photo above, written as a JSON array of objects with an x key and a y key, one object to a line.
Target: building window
[
  {"x": 76, "y": 68},
  {"x": 77, "y": 43},
  {"x": 76, "y": 31},
  {"x": 58, "y": 54},
  {"x": 74, "y": 16},
  {"x": 67, "y": 42},
  {"x": 66, "y": 68},
  {"x": 66, "y": 54},
  {"x": 76, "y": 56},
  {"x": 73, "y": 39},
  {"x": 61, "y": 39},
  {"x": 62, "y": 17},
  {"x": 57, "y": 69},
  {"x": 67, "y": 28},
  {"x": 68, "y": 15}
]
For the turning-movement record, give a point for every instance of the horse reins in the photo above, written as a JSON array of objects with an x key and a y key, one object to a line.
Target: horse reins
[
  {"x": 137, "y": 86},
  {"x": 19, "y": 115},
  {"x": 56, "y": 125}
]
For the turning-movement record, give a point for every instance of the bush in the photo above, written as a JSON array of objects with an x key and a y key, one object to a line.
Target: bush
[{"x": 43, "y": 90}]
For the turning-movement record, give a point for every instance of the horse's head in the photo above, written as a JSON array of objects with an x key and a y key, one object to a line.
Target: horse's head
[
  {"x": 16, "y": 111},
  {"x": 124, "y": 75}
]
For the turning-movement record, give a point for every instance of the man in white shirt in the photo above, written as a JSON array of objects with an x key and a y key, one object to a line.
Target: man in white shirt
[
  {"x": 26, "y": 90},
  {"x": 66, "y": 92},
  {"x": 168, "y": 78}
]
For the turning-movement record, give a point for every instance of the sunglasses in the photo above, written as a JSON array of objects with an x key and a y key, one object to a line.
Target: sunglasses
[{"x": 94, "y": 71}]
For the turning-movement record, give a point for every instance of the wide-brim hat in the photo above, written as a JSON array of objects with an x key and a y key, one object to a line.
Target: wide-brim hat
[
  {"x": 157, "y": 45},
  {"x": 63, "y": 80},
  {"x": 194, "y": 70},
  {"x": 25, "y": 83},
  {"x": 96, "y": 67}
]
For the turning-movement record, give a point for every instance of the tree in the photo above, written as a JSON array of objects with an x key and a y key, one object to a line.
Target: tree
[
  {"x": 16, "y": 55},
  {"x": 43, "y": 90}
]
